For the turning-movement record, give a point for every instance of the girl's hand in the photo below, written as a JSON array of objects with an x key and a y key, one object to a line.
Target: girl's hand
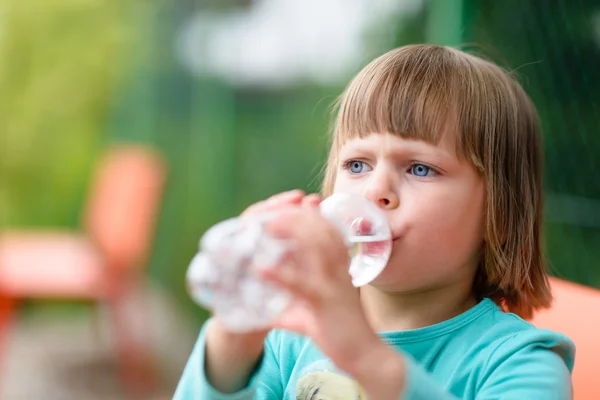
[
  {"x": 327, "y": 306},
  {"x": 292, "y": 198},
  {"x": 230, "y": 356}
]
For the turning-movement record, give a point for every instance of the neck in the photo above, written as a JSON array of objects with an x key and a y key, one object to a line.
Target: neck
[{"x": 393, "y": 311}]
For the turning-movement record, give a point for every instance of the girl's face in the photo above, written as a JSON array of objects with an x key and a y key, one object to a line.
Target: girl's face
[{"x": 434, "y": 202}]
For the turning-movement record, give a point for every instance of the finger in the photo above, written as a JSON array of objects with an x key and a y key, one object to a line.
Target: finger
[
  {"x": 287, "y": 223},
  {"x": 302, "y": 223},
  {"x": 312, "y": 200},
  {"x": 285, "y": 197},
  {"x": 290, "y": 278},
  {"x": 319, "y": 247},
  {"x": 293, "y": 197}
]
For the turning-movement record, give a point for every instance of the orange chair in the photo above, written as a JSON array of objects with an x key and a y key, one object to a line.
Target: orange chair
[
  {"x": 576, "y": 313},
  {"x": 102, "y": 264}
]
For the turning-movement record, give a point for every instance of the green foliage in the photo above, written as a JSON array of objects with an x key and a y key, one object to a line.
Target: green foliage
[{"x": 60, "y": 64}]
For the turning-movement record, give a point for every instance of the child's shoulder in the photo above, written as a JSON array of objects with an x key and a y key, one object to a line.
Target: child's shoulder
[
  {"x": 500, "y": 335},
  {"x": 496, "y": 324}
]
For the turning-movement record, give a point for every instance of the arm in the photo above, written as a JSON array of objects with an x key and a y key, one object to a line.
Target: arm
[
  {"x": 237, "y": 370},
  {"x": 224, "y": 362},
  {"x": 230, "y": 358}
]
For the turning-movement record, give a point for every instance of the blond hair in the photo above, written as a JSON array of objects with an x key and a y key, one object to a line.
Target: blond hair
[{"x": 415, "y": 92}]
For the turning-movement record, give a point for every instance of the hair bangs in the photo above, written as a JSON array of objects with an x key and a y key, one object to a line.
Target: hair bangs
[{"x": 401, "y": 96}]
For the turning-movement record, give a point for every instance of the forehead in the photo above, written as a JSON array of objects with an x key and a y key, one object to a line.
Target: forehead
[{"x": 393, "y": 144}]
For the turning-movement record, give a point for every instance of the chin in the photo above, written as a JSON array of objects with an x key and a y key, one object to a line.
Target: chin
[
  {"x": 386, "y": 281},
  {"x": 395, "y": 278}
]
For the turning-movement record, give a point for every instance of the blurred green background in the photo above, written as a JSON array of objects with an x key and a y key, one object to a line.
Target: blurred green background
[{"x": 237, "y": 96}]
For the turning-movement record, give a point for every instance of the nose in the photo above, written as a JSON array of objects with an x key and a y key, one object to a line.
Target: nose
[{"x": 382, "y": 191}]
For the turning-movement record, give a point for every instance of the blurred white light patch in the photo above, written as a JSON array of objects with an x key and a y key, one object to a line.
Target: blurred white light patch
[
  {"x": 596, "y": 26},
  {"x": 279, "y": 42}
]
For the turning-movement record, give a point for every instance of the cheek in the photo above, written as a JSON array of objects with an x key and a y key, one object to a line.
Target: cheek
[
  {"x": 344, "y": 184},
  {"x": 464, "y": 218},
  {"x": 452, "y": 225}
]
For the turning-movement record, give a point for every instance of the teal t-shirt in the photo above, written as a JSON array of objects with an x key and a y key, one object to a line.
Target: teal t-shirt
[{"x": 481, "y": 354}]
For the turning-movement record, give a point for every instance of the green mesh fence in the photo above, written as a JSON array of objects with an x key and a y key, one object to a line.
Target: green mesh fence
[{"x": 554, "y": 45}]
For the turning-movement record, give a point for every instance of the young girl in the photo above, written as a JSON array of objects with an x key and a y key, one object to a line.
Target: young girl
[{"x": 448, "y": 145}]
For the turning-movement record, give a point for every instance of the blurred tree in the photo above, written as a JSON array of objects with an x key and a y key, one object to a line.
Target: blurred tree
[{"x": 61, "y": 63}]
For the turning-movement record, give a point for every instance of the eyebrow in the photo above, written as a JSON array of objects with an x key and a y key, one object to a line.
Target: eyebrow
[{"x": 396, "y": 150}]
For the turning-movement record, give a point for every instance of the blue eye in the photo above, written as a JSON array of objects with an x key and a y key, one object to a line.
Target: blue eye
[
  {"x": 356, "y": 167},
  {"x": 421, "y": 170}
]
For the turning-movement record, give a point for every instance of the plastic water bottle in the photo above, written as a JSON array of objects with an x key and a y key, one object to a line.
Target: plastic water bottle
[{"x": 224, "y": 275}]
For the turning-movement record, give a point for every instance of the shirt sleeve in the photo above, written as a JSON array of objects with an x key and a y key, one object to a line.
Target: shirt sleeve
[
  {"x": 534, "y": 365},
  {"x": 530, "y": 365},
  {"x": 193, "y": 384}
]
